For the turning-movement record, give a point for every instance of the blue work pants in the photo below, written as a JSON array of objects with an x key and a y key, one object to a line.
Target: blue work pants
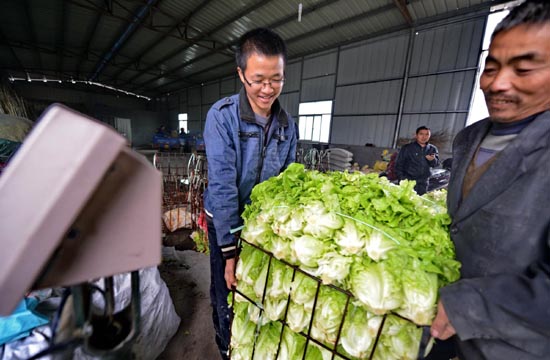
[{"x": 221, "y": 313}]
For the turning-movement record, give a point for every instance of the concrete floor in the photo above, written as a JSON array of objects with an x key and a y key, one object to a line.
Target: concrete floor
[{"x": 187, "y": 275}]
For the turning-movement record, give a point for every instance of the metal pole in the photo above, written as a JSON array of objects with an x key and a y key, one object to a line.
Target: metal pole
[{"x": 404, "y": 88}]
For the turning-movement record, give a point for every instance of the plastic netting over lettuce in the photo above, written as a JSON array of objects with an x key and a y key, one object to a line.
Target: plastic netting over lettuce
[{"x": 378, "y": 251}]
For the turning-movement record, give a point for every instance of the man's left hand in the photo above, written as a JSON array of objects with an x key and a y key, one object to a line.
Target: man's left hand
[
  {"x": 441, "y": 326},
  {"x": 430, "y": 157}
]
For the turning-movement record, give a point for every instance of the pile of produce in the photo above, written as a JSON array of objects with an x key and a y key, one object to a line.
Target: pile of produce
[{"x": 363, "y": 256}]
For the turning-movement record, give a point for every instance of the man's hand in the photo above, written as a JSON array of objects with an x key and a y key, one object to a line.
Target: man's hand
[
  {"x": 441, "y": 327},
  {"x": 430, "y": 157},
  {"x": 229, "y": 274}
]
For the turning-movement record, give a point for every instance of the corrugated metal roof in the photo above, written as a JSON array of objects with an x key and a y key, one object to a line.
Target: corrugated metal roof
[{"x": 156, "y": 46}]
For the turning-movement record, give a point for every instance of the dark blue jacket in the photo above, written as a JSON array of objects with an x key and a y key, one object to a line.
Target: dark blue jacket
[
  {"x": 411, "y": 163},
  {"x": 239, "y": 157}
]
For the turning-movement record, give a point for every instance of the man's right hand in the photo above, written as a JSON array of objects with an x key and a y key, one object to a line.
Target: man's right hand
[
  {"x": 229, "y": 274},
  {"x": 441, "y": 326}
]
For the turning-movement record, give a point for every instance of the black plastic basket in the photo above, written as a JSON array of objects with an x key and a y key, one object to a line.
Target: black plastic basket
[{"x": 337, "y": 351}]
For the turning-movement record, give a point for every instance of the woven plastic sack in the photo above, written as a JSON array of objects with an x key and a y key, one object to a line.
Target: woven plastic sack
[{"x": 14, "y": 128}]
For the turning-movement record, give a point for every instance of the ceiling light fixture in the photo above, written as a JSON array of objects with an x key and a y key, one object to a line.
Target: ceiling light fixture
[{"x": 73, "y": 81}]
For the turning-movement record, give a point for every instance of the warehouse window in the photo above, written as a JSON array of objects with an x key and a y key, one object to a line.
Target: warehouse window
[
  {"x": 478, "y": 110},
  {"x": 314, "y": 121},
  {"x": 182, "y": 120}
]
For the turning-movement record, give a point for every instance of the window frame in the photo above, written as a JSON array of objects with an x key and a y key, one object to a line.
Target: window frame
[
  {"x": 183, "y": 122},
  {"x": 315, "y": 121}
]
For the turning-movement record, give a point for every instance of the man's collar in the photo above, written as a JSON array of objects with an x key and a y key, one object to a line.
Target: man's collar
[
  {"x": 247, "y": 114},
  {"x": 526, "y": 119},
  {"x": 512, "y": 127}
]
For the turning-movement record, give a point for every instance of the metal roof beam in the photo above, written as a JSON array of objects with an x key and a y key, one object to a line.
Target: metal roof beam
[
  {"x": 182, "y": 22},
  {"x": 42, "y": 49},
  {"x": 357, "y": 17},
  {"x": 305, "y": 11},
  {"x": 178, "y": 51},
  {"x": 12, "y": 51},
  {"x": 103, "y": 11},
  {"x": 108, "y": 5},
  {"x": 88, "y": 41},
  {"x": 402, "y": 6},
  {"x": 361, "y": 16},
  {"x": 50, "y": 50},
  {"x": 272, "y": 25},
  {"x": 137, "y": 18},
  {"x": 60, "y": 36},
  {"x": 108, "y": 12},
  {"x": 188, "y": 78},
  {"x": 32, "y": 30}
]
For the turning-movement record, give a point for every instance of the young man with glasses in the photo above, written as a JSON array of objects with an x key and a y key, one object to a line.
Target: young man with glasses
[{"x": 249, "y": 138}]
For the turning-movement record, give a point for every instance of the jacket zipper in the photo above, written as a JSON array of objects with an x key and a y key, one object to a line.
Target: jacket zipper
[
  {"x": 248, "y": 134},
  {"x": 263, "y": 145}
]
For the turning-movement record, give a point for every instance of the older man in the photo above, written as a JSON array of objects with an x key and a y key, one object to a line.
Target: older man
[{"x": 499, "y": 201}]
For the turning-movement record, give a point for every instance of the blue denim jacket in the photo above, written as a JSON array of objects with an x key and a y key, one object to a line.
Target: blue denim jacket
[{"x": 239, "y": 158}]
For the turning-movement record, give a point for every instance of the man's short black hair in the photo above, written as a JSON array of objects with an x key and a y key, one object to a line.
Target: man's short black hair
[
  {"x": 262, "y": 41},
  {"x": 422, "y": 128},
  {"x": 530, "y": 12}
]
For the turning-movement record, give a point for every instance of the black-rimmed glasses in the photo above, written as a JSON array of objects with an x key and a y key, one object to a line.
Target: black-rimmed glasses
[{"x": 257, "y": 84}]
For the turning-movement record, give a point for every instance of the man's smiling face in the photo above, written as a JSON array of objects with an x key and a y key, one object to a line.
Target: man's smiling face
[
  {"x": 260, "y": 70},
  {"x": 516, "y": 78}
]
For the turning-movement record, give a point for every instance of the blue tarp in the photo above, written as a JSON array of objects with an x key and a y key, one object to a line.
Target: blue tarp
[
  {"x": 166, "y": 142},
  {"x": 21, "y": 322}
]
